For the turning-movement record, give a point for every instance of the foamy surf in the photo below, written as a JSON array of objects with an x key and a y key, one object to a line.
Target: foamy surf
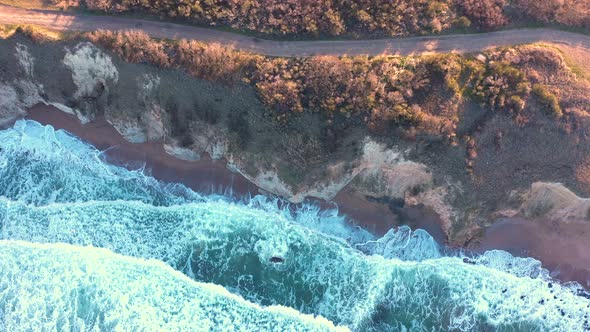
[
  {"x": 269, "y": 260},
  {"x": 59, "y": 287}
]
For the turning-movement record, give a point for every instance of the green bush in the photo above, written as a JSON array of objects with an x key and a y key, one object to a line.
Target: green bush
[{"x": 548, "y": 100}]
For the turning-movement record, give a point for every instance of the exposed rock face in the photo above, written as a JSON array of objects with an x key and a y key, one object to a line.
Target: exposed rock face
[
  {"x": 131, "y": 130},
  {"x": 11, "y": 107},
  {"x": 392, "y": 180},
  {"x": 148, "y": 85},
  {"x": 209, "y": 139},
  {"x": 73, "y": 111},
  {"x": 149, "y": 124},
  {"x": 181, "y": 153},
  {"x": 379, "y": 172},
  {"x": 22, "y": 93},
  {"x": 25, "y": 59},
  {"x": 554, "y": 201},
  {"x": 92, "y": 70},
  {"x": 93, "y": 73},
  {"x": 267, "y": 181}
]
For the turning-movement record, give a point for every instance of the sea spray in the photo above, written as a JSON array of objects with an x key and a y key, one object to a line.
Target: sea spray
[
  {"x": 261, "y": 252},
  {"x": 58, "y": 287},
  {"x": 403, "y": 243}
]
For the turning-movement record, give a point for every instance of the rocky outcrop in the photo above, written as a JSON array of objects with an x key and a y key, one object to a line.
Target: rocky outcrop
[
  {"x": 18, "y": 95},
  {"x": 92, "y": 70},
  {"x": 379, "y": 172},
  {"x": 11, "y": 107},
  {"x": 148, "y": 127},
  {"x": 437, "y": 199},
  {"x": 181, "y": 153},
  {"x": 554, "y": 201}
]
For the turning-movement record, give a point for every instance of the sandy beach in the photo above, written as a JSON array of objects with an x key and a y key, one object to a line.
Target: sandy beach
[{"x": 561, "y": 247}]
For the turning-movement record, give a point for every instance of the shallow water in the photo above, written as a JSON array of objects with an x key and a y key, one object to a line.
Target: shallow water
[{"x": 56, "y": 189}]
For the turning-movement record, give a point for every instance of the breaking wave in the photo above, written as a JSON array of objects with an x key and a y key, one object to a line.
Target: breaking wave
[
  {"x": 59, "y": 287},
  {"x": 57, "y": 190}
]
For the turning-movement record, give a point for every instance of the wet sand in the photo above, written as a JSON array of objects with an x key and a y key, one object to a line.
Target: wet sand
[
  {"x": 563, "y": 248},
  {"x": 379, "y": 217},
  {"x": 205, "y": 175}
]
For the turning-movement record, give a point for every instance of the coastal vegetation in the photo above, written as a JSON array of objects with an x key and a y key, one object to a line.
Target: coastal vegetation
[
  {"x": 382, "y": 92},
  {"x": 36, "y": 33},
  {"x": 549, "y": 102},
  {"x": 352, "y": 17},
  {"x": 302, "y": 122}
]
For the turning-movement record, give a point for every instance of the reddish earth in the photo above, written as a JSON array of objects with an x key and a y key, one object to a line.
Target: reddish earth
[
  {"x": 203, "y": 175},
  {"x": 562, "y": 247}
]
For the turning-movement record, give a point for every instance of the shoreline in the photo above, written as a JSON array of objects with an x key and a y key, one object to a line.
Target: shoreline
[
  {"x": 211, "y": 176},
  {"x": 559, "y": 246},
  {"x": 562, "y": 247}
]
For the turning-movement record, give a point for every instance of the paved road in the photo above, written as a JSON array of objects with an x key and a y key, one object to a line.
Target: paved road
[{"x": 401, "y": 46}]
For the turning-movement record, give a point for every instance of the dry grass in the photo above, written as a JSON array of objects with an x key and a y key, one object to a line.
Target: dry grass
[
  {"x": 29, "y": 4},
  {"x": 576, "y": 58},
  {"x": 37, "y": 33}
]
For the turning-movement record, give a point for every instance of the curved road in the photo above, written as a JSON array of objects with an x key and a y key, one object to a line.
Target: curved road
[{"x": 401, "y": 46}]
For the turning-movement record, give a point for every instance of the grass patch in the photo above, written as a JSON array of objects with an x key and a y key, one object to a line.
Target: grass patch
[
  {"x": 37, "y": 33},
  {"x": 548, "y": 100},
  {"x": 29, "y": 4}
]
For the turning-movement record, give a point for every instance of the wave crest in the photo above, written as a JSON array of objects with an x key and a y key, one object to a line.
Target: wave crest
[{"x": 66, "y": 288}]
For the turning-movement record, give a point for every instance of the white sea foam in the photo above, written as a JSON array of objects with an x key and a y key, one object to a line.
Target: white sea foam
[
  {"x": 59, "y": 287},
  {"x": 232, "y": 245},
  {"x": 220, "y": 242},
  {"x": 404, "y": 244},
  {"x": 40, "y": 165}
]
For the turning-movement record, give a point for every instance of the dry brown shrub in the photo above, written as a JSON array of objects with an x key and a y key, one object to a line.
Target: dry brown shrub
[
  {"x": 568, "y": 12},
  {"x": 211, "y": 61},
  {"x": 278, "y": 86},
  {"x": 484, "y": 14},
  {"x": 327, "y": 80},
  {"x": 133, "y": 46},
  {"x": 312, "y": 17},
  {"x": 575, "y": 13}
]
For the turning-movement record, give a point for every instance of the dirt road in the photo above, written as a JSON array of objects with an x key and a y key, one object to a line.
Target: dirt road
[{"x": 400, "y": 46}]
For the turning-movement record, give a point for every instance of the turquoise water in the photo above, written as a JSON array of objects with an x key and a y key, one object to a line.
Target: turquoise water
[{"x": 171, "y": 259}]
